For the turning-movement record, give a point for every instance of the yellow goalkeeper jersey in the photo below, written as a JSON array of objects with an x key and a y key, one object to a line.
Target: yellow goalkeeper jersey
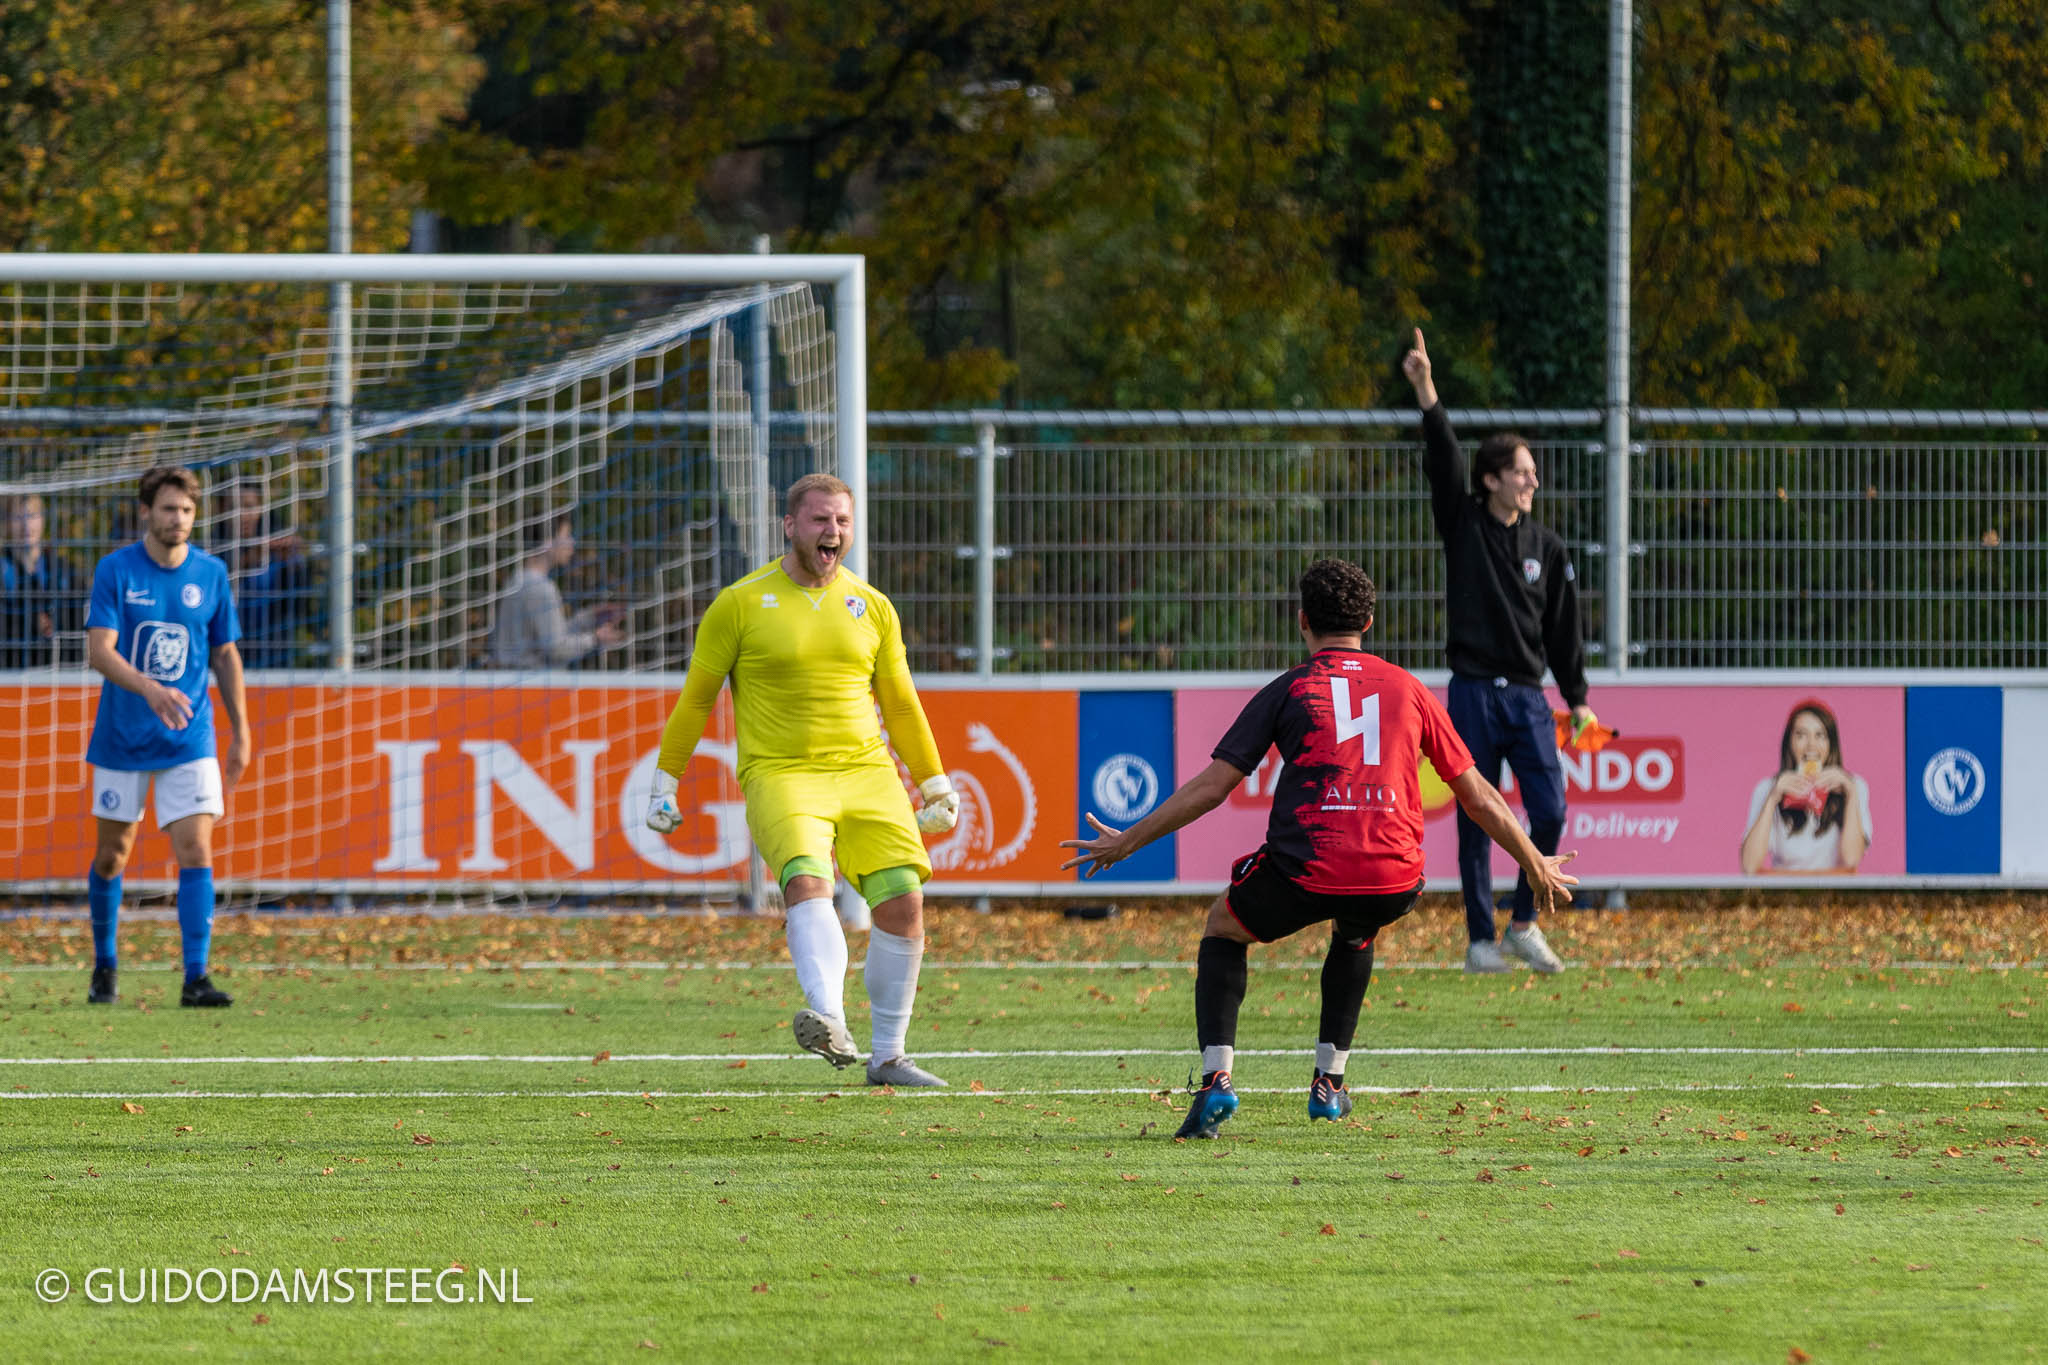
[{"x": 807, "y": 666}]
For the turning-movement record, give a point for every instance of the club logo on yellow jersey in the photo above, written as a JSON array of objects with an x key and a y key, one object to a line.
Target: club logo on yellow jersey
[
  {"x": 858, "y": 606},
  {"x": 768, "y": 600}
]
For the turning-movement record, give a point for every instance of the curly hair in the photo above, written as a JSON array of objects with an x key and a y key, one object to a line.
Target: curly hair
[{"x": 1337, "y": 597}]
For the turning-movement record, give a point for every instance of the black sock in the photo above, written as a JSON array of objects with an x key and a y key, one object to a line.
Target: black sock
[
  {"x": 1219, "y": 990},
  {"x": 1347, "y": 971}
]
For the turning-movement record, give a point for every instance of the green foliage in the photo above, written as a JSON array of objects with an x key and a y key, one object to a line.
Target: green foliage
[
  {"x": 177, "y": 126},
  {"x": 1538, "y": 179}
]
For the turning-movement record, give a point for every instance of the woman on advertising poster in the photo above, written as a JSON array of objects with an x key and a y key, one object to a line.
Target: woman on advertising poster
[{"x": 1813, "y": 815}]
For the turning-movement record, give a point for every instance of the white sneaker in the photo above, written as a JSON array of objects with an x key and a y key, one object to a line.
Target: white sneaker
[
  {"x": 1526, "y": 942},
  {"x": 900, "y": 1071},
  {"x": 1483, "y": 958},
  {"x": 824, "y": 1035}
]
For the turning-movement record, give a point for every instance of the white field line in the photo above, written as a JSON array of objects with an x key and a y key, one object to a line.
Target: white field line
[
  {"x": 1011, "y": 965},
  {"x": 963, "y": 1094},
  {"x": 976, "y": 1054}
]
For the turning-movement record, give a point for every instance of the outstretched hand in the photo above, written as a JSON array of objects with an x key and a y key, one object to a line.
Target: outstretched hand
[
  {"x": 1105, "y": 850},
  {"x": 1415, "y": 365},
  {"x": 1553, "y": 887}
]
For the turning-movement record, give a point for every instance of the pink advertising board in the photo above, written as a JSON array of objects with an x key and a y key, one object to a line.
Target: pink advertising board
[{"x": 1670, "y": 799}]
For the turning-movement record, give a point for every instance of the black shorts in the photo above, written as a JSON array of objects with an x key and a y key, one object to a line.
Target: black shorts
[{"x": 1272, "y": 906}]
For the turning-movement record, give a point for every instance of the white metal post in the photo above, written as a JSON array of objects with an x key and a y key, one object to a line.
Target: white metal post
[
  {"x": 985, "y": 550},
  {"x": 765, "y": 540},
  {"x": 1620, "y": 55},
  {"x": 849, "y": 303},
  {"x": 341, "y": 458}
]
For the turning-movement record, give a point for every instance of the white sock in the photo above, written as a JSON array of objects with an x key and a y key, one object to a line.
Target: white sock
[
  {"x": 1329, "y": 1060},
  {"x": 892, "y": 989},
  {"x": 817, "y": 945},
  {"x": 1221, "y": 1057}
]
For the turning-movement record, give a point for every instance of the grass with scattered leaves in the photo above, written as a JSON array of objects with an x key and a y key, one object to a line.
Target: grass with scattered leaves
[{"x": 1751, "y": 1133}]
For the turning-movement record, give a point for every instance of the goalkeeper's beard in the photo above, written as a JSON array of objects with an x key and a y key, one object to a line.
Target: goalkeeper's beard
[{"x": 819, "y": 562}]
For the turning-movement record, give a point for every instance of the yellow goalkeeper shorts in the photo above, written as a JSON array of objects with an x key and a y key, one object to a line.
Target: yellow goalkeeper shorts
[{"x": 862, "y": 814}]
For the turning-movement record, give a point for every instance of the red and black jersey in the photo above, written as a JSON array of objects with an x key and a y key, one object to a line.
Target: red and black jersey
[{"x": 1347, "y": 808}]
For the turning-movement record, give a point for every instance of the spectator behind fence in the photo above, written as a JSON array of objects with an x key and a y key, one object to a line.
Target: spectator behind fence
[
  {"x": 532, "y": 630},
  {"x": 273, "y": 579},
  {"x": 41, "y": 597}
]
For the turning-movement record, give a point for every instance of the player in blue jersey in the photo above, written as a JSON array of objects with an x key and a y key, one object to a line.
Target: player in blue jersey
[{"x": 160, "y": 623}]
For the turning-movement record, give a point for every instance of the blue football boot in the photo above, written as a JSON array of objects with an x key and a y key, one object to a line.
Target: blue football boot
[
  {"x": 1214, "y": 1102},
  {"x": 1328, "y": 1099}
]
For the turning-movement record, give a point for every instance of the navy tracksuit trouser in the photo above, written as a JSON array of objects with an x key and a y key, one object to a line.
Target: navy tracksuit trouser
[{"x": 1500, "y": 720}]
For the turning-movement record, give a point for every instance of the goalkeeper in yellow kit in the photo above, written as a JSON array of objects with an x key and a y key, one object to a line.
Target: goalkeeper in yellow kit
[{"x": 810, "y": 649}]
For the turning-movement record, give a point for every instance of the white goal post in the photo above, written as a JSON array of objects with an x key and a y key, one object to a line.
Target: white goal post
[{"x": 385, "y": 442}]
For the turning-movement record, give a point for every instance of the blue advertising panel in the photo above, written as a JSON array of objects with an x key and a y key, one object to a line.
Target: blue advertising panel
[
  {"x": 1955, "y": 746},
  {"x": 1126, "y": 770}
]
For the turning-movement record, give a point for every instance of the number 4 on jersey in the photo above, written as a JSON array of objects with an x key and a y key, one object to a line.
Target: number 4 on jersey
[{"x": 1364, "y": 723}]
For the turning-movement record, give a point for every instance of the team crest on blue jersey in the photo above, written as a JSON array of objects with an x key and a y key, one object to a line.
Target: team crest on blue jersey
[
  {"x": 1532, "y": 569},
  {"x": 858, "y": 606},
  {"x": 190, "y": 594},
  {"x": 161, "y": 648}
]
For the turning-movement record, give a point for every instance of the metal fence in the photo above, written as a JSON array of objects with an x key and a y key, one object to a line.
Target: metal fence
[
  {"x": 1155, "y": 551},
  {"x": 1091, "y": 547}
]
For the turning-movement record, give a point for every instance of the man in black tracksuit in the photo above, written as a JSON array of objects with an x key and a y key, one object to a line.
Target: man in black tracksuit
[{"x": 1513, "y": 605}]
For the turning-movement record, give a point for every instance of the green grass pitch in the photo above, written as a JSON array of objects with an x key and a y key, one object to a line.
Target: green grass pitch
[{"x": 1737, "y": 1134}]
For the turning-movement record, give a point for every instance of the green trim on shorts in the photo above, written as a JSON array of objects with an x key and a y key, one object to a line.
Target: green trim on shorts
[
  {"x": 889, "y": 883},
  {"x": 804, "y": 865}
]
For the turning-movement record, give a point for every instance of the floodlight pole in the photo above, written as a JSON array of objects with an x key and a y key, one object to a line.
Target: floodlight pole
[{"x": 341, "y": 455}]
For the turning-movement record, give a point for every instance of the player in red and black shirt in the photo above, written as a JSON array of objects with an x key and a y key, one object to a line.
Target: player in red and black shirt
[{"x": 1344, "y": 843}]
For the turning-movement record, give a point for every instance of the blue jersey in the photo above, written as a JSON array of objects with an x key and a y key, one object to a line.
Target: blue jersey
[{"x": 167, "y": 623}]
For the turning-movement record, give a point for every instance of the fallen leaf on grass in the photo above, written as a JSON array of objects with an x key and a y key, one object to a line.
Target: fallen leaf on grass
[
  {"x": 1484, "y": 1177},
  {"x": 1840, "y": 1210},
  {"x": 260, "y": 1319},
  {"x": 1585, "y": 1151},
  {"x": 1327, "y": 1230},
  {"x": 1911, "y": 1266},
  {"x": 1018, "y": 1308},
  {"x": 1795, "y": 1356},
  {"x": 422, "y": 1140},
  {"x": 1630, "y": 1253},
  {"x": 130, "y": 1107},
  {"x": 740, "y": 1065},
  {"x": 976, "y": 1087},
  {"x": 1794, "y": 1007},
  {"x": 760, "y": 1289},
  {"x": 1584, "y": 1316},
  {"x": 604, "y": 1056},
  {"x": 646, "y": 1345},
  {"x": 1395, "y": 1175}
]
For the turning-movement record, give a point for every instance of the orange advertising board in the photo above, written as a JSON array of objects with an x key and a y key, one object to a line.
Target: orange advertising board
[{"x": 372, "y": 784}]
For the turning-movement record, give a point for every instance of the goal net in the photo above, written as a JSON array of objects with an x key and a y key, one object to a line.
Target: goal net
[{"x": 471, "y": 509}]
